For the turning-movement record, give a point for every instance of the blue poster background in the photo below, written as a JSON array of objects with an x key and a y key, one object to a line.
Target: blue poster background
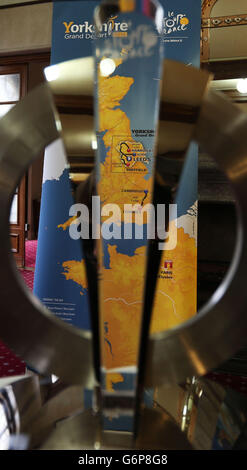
[
  {"x": 181, "y": 43},
  {"x": 71, "y": 39}
]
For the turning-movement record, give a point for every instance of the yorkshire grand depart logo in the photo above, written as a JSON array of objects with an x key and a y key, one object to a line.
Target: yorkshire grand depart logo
[
  {"x": 175, "y": 23},
  {"x": 86, "y": 30},
  {"x": 133, "y": 40}
]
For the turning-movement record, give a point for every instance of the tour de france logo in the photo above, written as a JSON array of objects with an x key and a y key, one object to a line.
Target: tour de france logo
[
  {"x": 184, "y": 21},
  {"x": 175, "y": 22}
]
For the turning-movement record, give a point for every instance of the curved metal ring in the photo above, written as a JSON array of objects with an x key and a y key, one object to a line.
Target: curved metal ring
[
  {"x": 184, "y": 351},
  {"x": 46, "y": 343},
  {"x": 220, "y": 328}
]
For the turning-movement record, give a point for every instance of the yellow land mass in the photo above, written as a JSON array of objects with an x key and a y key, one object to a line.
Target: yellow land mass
[
  {"x": 121, "y": 305},
  {"x": 122, "y": 291},
  {"x": 76, "y": 271},
  {"x": 116, "y": 124},
  {"x": 122, "y": 285},
  {"x": 111, "y": 379},
  {"x": 115, "y": 189},
  {"x": 175, "y": 299},
  {"x": 67, "y": 223},
  {"x": 112, "y": 90},
  {"x": 124, "y": 282}
]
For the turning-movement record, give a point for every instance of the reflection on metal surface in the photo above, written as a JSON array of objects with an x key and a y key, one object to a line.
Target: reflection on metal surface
[
  {"x": 9, "y": 417},
  {"x": 79, "y": 432},
  {"x": 72, "y": 85},
  {"x": 212, "y": 416},
  {"x": 242, "y": 85},
  {"x": 182, "y": 90},
  {"x": 220, "y": 328},
  {"x": 157, "y": 431},
  {"x": 107, "y": 67},
  {"x": 20, "y": 400},
  {"x": 47, "y": 344},
  {"x": 209, "y": 415},
  {"x": 62, "y": 402}
]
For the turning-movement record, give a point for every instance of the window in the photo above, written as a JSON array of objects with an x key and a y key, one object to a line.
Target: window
[{"x": 12, "y": 87}]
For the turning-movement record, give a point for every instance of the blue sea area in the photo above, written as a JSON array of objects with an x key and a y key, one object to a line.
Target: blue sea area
[{"x": 55, "y": 247}]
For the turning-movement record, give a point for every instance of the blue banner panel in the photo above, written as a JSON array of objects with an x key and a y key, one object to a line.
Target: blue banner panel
[{"x": 60, "y": 280}]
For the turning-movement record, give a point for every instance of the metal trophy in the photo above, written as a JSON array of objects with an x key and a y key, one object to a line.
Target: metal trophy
[{"x": 185, "y": 110}]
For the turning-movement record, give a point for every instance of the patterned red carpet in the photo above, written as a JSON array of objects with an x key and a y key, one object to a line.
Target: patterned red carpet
[
  {"x": 28, "y": 277},
  {"x": 10, "y": 364},
  {"x": 30, "y": 257}
]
